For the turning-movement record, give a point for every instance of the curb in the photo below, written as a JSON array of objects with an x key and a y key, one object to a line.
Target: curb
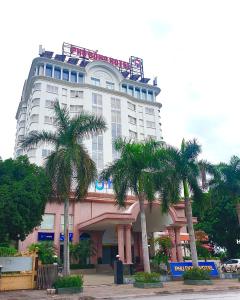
[{"x": 180, "y": 291}]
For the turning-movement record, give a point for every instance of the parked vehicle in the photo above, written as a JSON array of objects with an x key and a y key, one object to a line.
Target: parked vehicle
[{"x": 231, "y": 265}]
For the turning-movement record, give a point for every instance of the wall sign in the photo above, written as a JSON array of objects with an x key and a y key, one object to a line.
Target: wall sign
[
  {"x": 45, "y": 236},
  {"x": 177, "y": 268},
  {"x": 61, "y": 238}
]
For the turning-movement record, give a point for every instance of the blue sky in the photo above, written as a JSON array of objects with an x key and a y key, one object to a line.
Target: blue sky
[{"x": 192, "y": 46}]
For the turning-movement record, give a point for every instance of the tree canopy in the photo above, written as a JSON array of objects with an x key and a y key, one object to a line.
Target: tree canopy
[{"x": 24, "y": 190}]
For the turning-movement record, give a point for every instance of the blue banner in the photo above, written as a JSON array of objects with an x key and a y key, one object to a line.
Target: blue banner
[
  {"x": 70, "y": 237},
  {"x": 177, "y": 268},
  {"x": 45, "y": 236}
]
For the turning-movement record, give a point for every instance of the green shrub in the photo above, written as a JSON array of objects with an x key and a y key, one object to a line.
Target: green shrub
[
  {"x": 69, "y": 281},
  {"x": 196, "y": 274},
  {"x": 147, "y": 277},
  {"x": 46, "y": 252},
  {"x": 7, "y": 251},
  {"x": 80, "y": 266}
]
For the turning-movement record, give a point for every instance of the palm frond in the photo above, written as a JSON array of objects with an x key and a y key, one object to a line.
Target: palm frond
[
  {"x": 35, "y": 138},
  {"x": 62, "y": 117},
  {"x": 191, "y": 150},
  {"x": 86, "y": 125}
]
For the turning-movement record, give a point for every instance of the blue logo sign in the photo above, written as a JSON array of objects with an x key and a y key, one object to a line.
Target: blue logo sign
[
  {"x": 100, "y": 185},
  {"x": 45, "y": 236},
  {"x": 62, "y": 236},
  {"x": 177, "y": 268}
]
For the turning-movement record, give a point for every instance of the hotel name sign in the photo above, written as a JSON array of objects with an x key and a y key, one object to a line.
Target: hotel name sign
[{"x": 134, "y": 65}]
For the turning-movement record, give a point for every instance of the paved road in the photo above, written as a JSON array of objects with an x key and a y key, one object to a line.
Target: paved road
[{"x": 201, "y": 296}]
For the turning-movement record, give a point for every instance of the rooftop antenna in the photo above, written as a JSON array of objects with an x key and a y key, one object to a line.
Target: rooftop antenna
[
  {"x": 155, "y": 81},
  {"x": 41, "y": 50}
]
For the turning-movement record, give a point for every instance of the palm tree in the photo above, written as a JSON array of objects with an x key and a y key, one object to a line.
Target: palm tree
[
  {"x": 187, "y": 171},
  {"x": 69, "y": 166},
  {"x": 134, "y": 171}
]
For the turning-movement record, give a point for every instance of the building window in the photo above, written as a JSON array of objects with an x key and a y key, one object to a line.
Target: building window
[
  {"x": 131, "y": 106},
  {"x": 115, "y": 123},
  {"x": 76, "y": 108},
  {"x": 124, "y": 88},
  {"x": 37, "y": 86},
  {"x": 52, "y": 89},
  {"x": 137, "y": 93},
  {"x": 70, "y": 223},
  {"x": 140, "y": 122},
  {"x": 41, "y": 70},
  {"x": 21, "y": 124},
  {"x": 96, "y": 99},
  {"x": 80, "y": 78},
  {"x": 76, "y": 94},
  {"x": 132, "y": 120},
  {"x": 35, "y": 102},
  {"x": 64, "y": 92},
  {"x": 50, "y": 104},
  {"x": 49, "y": 69},
  {"x": 149, "y": 110},
  {"x": 151, "y": 137},
  {"x": 73, "y": 76},
  {"x": 150, "y": 95},
  {"x": 34, "y": 118},
  {"x": 65, "y": 75},
  {"x": 144, "y": 94},
  {"x": 49, "y": 120},
  {"x": 109, "y": 85},
  {"x": 46, "y": 152},
  {"x": 47, "y": 221},
  {"x": 97, "y": 141},
  {"x": 95, "y": 81},
  {"x": 130, "y": 90},
  {"x": 141, "y": 136},
  {"x": 150, "y": 124},
  {"x": 31, "y": 153},
  {"x": 132, "y": 135},
  {"x": 57, "y": 73}
]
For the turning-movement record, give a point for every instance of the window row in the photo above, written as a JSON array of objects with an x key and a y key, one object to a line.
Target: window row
[
  {"x": 133, "y": 121},
  {"x": 148, "y": 110},
  {"x": 138, "y": 92},
  {"x": 59, "y": 73},
  {"x": 97, "y": 82},
  {"x": 48, "y": 222}
]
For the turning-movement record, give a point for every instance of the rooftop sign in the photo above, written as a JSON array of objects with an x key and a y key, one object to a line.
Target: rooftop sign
[{"x": 134, "y": 67}]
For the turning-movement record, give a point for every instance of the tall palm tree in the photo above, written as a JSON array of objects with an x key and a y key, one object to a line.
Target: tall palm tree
[
  {"x": 69, "y": 166},
  {"x": 187, "y": 171},
  {"x": 134, "y": 171}
]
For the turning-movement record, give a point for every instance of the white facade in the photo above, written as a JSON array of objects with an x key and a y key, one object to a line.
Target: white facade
[{"x": 129, "y": 107}]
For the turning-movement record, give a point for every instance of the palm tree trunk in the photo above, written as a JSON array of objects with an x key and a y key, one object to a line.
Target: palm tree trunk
[
  {"x": 66, "y": 269},
  {"x": 145, "y": 251},
  {"x": 188, "y": 211}
]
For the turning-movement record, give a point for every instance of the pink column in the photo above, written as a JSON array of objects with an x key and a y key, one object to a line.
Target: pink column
[
  {"x": 171, "y": 234},
  {"x": 120, "y": 234},
  {"x": 128, "y": 243},
  {"x": 178, "y": 244}
]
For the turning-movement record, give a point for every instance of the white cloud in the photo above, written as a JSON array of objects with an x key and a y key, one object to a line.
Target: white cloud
[{"x": 192, "y": 46}]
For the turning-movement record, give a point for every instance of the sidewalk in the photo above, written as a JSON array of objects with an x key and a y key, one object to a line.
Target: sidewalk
[{"x": 100, "y": 287}]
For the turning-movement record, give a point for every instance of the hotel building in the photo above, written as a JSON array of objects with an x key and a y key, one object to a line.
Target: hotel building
[{"x": 81, "y": 79}]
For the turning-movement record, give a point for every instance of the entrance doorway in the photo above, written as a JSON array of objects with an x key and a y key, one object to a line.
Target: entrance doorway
[{"x": 109, "y": 254}]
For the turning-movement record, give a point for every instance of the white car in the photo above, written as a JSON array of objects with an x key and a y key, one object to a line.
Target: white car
[{"x": 231, "y": 265}]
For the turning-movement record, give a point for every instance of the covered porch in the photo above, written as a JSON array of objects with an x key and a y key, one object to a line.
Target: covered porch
[{"x": 119, "y": 233}]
